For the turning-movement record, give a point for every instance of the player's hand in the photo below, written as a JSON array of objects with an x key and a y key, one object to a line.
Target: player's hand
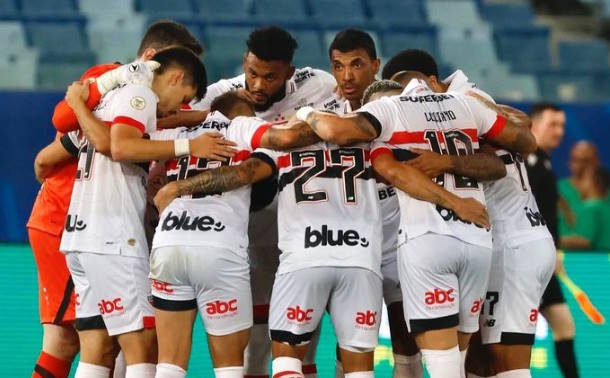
[
  {"x": 77, "y": 93},
  {"x": 136, "y": 72},
  {"x": 471, "y": 210},
  {"x": 430, "y": 163},
  {"x": 212, "y": 146},
  {"x": 165, "y": 196}
]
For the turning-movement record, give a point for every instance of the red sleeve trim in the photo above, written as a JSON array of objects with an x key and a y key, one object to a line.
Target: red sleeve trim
[
  {"x": 258, "y": 135},
  {"x": 497, "y": 127},
  {"x": 129, "y": 121},
  {"x": 378, "y": 152}
]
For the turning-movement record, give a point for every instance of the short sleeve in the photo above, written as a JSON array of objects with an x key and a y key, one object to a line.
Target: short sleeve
[
  {"x": 379, "y": 114},
  {"x": 250, "y": 130},
  {"x": 136, "y": 106},
  {"x": 327, "y": 82},
  {"x": 488, "y": 122},
  {"x": 70, "y": 142},
  {"x": 378, "y": 149}
]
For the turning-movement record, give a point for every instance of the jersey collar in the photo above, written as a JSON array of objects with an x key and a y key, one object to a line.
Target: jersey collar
[
  {"x": 457, "y": 80},
  {"x": 415, "y": 87}
]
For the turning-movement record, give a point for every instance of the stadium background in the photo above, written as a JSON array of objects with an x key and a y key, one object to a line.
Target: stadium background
[{"x": 554, "y": 50}]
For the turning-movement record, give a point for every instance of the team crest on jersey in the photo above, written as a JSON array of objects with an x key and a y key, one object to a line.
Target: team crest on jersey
[{"x": 138, "y": 103}]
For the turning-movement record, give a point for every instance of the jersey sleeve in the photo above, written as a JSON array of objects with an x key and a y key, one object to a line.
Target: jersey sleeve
[
  {"x": 70, "y": 142},
  {"x": 379, "y": 114},
  {"x": 488, "y": 122},
  {"x": 214, "y": 90},
  {"x": 273, "y": 158},
  {"x": 326, "y": 82},
  {"x": 64, "y": 118},
  {"x": 136, "y": 106},
  {"x": 250, "y": 131},
  {"x": 378, "y": 149}
]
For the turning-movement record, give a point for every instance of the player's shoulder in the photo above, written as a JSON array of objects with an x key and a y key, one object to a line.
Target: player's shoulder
[
  {"x": 225, "y": 85},
  {"x": 305, "y": 77},
  {"x": 139, "y": 97}
]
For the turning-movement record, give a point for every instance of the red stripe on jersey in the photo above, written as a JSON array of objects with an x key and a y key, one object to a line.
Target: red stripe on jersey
[
  {"x": 497, "y": 127},
  {"x": 240, "y": 156},
  {"x": 283, "y": 161},
  {"x": 130, "y": 122},
  {"x": 287, "y": 373},
  {"x": 258, "y": 135},
  {"x": 413, "y": 137},
  {"x": 148, "y": 322},
  {"x": 378, "y": 152}
]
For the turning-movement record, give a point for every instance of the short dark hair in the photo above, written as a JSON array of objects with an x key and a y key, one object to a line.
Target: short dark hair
[
  {"x": 272, "y": 43},
  {"x": 166, "y": 33},
  {"x": 351, "y": 39},
  {"x": 228, "y": 101},
  {"x": 380, "y": 86},
  {"x": 410, "y": 60},
  {"x": 194, "y": 70},
  {"x": 539, "y": 108}
]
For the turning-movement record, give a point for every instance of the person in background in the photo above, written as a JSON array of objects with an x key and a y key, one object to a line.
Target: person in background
[
  {"x": 583, "y": 162},
  {"x": 548, "y": 127},
  {"x": 590, "y": 230}
]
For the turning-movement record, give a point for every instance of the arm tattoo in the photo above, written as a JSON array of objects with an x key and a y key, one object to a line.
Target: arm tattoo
[
  {"x": 221, "y": 179},
  {"x": 299, "y": 135},
  {"x": 480, "y": 166}
]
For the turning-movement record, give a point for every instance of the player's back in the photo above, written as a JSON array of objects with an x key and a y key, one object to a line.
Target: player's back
[
  {"x": 328, "y": 213},
  {"x": 219, "y": 219},
  {"x": 511, "y": 205},
  {"x": 446, "y": 123}
]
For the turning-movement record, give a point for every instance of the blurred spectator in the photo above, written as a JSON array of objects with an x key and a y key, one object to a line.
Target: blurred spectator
[
  {"x": 548, "y": 126},
  {"x": 592, "y": 228},
  {"x": 583, "y": 163}
]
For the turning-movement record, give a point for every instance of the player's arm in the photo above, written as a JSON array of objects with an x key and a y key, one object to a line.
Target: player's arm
[
  {"x": 222, "y": 179},
  {"x": 509, "y": 131},
  {"x": 96, "y": 131},
  {"x": 296, "y": 134},
  {"x": 340, "y": 129},
  {"x": 413, "y": 182},
  {"x": 185, "y": 118},
  {"x": 55, "y": 153},
  {"x": 484, "y": 166}
]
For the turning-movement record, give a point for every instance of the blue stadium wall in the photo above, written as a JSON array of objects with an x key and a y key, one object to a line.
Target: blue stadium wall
[{"x": 27, "y": 128}]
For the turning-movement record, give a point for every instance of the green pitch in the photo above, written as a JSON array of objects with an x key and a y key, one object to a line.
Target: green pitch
[{"x": 21, "y": 332}]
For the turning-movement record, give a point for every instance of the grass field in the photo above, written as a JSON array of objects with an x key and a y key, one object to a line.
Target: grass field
[{"x": 21, "y": 332}]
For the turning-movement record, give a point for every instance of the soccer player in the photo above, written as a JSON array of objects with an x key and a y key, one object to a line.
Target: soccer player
[
  {"x": 354, "y": 64},
  {"x": 277, "y": 90},
  {"x": 199, "y": 257},
  {"x": 104, "y": 242},
  {"x": 57, "y": 167},
  {"x": 523, "y": 253},
  {"x": 443, "y": 291},
  {"x": 548, "y": 126}
]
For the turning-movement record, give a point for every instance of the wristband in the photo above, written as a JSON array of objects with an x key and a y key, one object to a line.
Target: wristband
[
  {"x": 181, "y": 147},
  {"x": 304, "y": 112}
]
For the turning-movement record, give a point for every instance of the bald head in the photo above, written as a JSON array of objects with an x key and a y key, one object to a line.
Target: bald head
[{"x": 583, "y": 156}]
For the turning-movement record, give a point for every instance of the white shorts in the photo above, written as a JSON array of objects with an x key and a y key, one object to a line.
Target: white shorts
[
  {"x": 391, "y": 282},
  {"x": 215, "y": 280},
  {"x": 352, "y": 297},
  {"x": 443, "y": 281},
  {"x": 112, "y": 292},
  {"x": 519, "y": 274}
]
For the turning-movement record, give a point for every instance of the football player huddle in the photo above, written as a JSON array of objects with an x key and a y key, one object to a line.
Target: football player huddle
[{"x": 277, "y": 196}]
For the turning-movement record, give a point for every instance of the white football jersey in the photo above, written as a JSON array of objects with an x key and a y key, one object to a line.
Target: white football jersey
[
  {"x": 219, "y": 220},
  {"x": 328, "y": 213},
  {"x": 106, "y": 213},
  {"x": 511, "y": 205},
  {"x": 448, "y": 123},
  {"x": 307, "y": 87}
]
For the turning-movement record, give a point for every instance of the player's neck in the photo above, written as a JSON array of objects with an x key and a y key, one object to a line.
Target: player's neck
[{"x": 354, "y": 104}]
